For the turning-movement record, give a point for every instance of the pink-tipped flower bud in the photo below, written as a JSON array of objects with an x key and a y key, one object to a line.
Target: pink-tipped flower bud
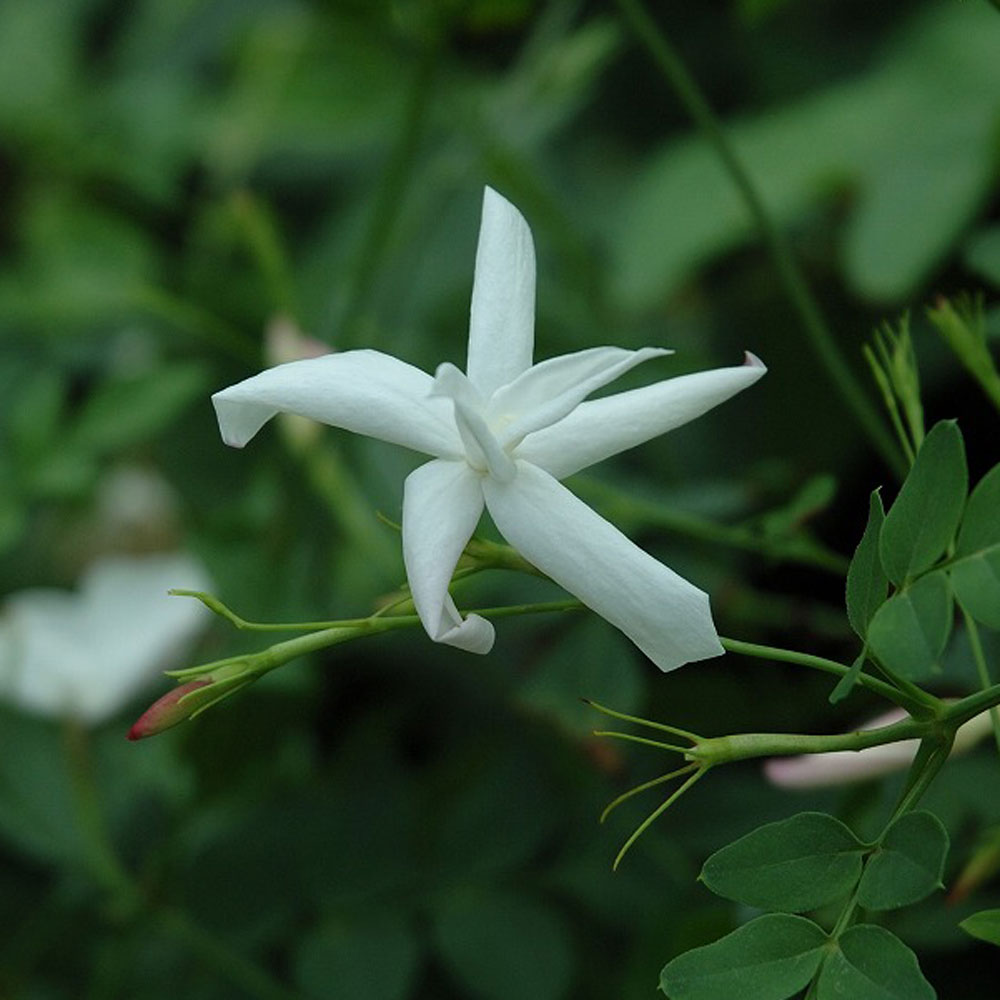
[{"x": 165, "y": 712}]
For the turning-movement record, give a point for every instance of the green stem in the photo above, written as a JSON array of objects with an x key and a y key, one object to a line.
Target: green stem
[
  {"x": 216, "y": 955},
  {"x": 267, "y": 249},
  {"x": 912, "y": 705},
  {"x": 982, "y": 669},
  {"x": 390, "y": 193},
  {"x": 628, "y": 505},
  {"x": 196, "y": 320},
  {"x": 105, "y": 868},
  {"x": 747, "y": 746},
  {"x": 822, "y": 341},
  {"x": 126, "y": 893},
  {"x": 971, "y": 705}
]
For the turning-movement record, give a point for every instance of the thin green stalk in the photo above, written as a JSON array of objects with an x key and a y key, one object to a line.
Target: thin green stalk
[
  {"x": 655, "y": 814},
  {"x": 912, "y": 705},
  {"x": 649, "y": 723},
  {"x": 644, "y": 740},
  {"x": 644, "y": 787},
  {"x": 982, "y": 669},
  {"x": 789, "y": 273}
]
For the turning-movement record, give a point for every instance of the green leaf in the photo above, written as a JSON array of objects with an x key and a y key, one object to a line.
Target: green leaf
[
  {"x": 846, "y": 683},
  {"x": 975, "y": 574},
  {"x": 908, "y": 864},
  {"x": 375, "y": 957},
  {"x": 867, "y": 585},
  {"x": 770, "y": 958},
  {"x": 922, "y": 522},
  {"x": 984, "y": 925},
  {"x": 502, "y": 944},
  {"x": 796, "y": 864},
  {"x": 872, "y": 964},
  {"x": 982, "y": 254},
  {"x": 909, "y": 632}
]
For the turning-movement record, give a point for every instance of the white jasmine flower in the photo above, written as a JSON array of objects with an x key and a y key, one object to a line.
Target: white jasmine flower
[
  {"x": 86, "y": 653},
  {"x": 502, "y": 435}
]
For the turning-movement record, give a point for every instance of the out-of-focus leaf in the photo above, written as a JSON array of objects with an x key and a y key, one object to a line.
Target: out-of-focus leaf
[
  {"x": 35, "y": 413},
  {"x": 914, "y": 136},
  {"x": 372, "y": 956},
  {"x": 923, "y": 519},
  {"x": 908, "y": 864},
  {"x": 498, "y": 819},
  {"x": 122, "y": 412},
  {"x": 870, "y": 963},
  {"x": 590, "y": 661},
  {"x": 37, "y": 807},
  {"x": 982, "y": 255},
  {"x": 867, "y": 584},
  {"x": 909, "y": 632},
  {"x": 501, "y": 944},
  {"x": 770, "y": 958},
  {"x": 794, "y": 865},
  {"x": 984, "y": 925}
]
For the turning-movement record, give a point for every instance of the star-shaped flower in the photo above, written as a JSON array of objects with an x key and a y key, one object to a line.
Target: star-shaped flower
[{"x": 502, "y": 435}]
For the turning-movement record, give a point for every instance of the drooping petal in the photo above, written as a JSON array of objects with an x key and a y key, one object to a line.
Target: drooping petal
[
  {"x": 548, "y": 391},
  {"x": 599, "y": 428},
  {"x": 668, "y": 618},
  {"x": 502, "y": 318},
  {"x": 442, "y": 503},
  {"x": 362, "y": 391}
]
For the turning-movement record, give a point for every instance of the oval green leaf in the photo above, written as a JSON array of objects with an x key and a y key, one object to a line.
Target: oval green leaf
[
  {"x": 872, "y": 964},
  {"x": 770, "y": 958},
  {"x": 909, "y": 632},
  {"x": 922, "y": 522},
  {"x": 867, "y": 584},
  {"x": 796, "y": 864},
  {"x": 975, "y": 575},
  {"x": 984, "y": 925},
  {"x": 908, "y": 864},
  {"x": 981, "y": 524}
]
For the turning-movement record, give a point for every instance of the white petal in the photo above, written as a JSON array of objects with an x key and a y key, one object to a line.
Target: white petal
[
  {"x": 442, "y": 503},
  {"x": 668, "y": 618},
  {"x": 502, "y": 319},
  {"x": 550, "y": 390},
  {"x": 599, "y": 428},
  {"x": 362, "y": 391},
  {"x": 86, "y": 653}
]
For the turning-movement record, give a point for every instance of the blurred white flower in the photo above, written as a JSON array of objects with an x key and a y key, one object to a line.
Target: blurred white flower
[
  {"x": 502, "y": 435},
  {"x": 842, "y": 767},
  {"x": 86, "y": 653}
]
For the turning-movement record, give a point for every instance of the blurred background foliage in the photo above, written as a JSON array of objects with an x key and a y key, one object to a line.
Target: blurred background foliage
[{"x": 399, "y": 820}]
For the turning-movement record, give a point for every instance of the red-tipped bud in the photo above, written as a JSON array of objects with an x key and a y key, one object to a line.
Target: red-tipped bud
[{"x": 165, "y": 712}]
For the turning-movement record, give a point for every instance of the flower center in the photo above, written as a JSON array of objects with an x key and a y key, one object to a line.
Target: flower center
[{"x": 482, "y": 449}]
